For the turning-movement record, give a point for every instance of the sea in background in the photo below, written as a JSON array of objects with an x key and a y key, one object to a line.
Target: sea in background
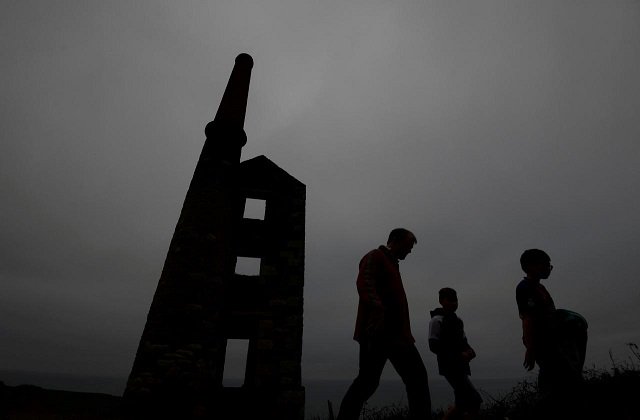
[{"x": 318, "y": 392}]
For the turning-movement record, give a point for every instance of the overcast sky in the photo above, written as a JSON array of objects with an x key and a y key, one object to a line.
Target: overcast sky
[{"x": 485, "y": 127}]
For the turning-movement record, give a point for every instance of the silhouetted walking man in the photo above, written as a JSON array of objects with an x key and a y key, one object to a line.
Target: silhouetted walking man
[{"x": 383, "y": 330}]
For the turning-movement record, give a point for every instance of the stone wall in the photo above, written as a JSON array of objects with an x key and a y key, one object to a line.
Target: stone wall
[{"x": 200, "y": 301}]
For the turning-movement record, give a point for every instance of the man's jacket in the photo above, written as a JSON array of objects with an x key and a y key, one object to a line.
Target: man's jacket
[{"x": 381, "y": 292}]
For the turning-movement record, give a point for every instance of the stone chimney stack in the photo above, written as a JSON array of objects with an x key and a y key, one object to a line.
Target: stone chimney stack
[
  {"x": 201, "y": 302},
  {"x": 177, "y": 358}
]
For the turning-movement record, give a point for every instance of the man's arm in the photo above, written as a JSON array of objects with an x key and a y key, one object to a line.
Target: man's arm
[
  {"x": 366, "y": 283},
  {"x": 370, "y": 271}
]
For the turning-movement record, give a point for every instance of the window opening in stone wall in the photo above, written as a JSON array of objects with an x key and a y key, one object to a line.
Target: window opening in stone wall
[
  {"x": 248, "y": 266},
  {"x": 254, "y": 209},
  {"x": 235, "y": 362}
]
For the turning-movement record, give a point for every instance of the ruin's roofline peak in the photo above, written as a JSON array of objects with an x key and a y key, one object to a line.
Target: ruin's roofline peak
[{"x": 269, "y": 171}]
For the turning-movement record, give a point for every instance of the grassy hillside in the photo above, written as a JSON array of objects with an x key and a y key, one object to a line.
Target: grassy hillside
[{"x": 606, "y": 394}]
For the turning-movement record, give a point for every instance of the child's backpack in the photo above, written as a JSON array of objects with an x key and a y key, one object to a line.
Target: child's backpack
[{"x": 570, "y": 332}]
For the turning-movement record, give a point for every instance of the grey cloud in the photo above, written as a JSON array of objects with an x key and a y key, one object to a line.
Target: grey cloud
[{"x": 485, "y": 128}]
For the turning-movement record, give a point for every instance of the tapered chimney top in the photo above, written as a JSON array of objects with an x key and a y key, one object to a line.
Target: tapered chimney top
[
  {"x": 233, "y": 106},
  {"x": 244, "y": 60},
  {"x": 225, "y": 134}
]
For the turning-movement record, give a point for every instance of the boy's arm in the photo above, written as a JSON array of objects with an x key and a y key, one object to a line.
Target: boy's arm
[
  {"x": 526, "y": 308},
  {"x": 434, "y": 346},
  {"x": 434, "y": 335},
  {"x": 528, "y": 326},
  {"x": 468, "y": 353}
]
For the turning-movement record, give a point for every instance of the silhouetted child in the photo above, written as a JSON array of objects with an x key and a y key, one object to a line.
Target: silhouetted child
[
  {"x": 554, "y": 339},
  {"x": 449, "y": 342},
  {"x": 536, "y": 309}
]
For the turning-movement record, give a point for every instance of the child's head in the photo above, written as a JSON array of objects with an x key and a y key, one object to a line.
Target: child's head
[
  {"x": 536, "y": 263},
  {"x": 448, "y": 298}
]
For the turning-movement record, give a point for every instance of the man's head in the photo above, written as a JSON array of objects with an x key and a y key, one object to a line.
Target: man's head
[
  {"x": 448, "y": 298},
  {"x": 536, "y": 263},
  {"x": 401, "y": 242}
]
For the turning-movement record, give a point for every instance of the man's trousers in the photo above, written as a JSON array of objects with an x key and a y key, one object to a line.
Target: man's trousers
[{"x": 407, "y": 362}]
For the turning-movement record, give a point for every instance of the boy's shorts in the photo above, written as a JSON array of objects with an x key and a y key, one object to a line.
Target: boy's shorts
[{"x": 466, "y": 395}]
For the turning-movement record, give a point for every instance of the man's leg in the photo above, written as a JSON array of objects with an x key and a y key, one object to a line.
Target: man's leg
[
  {"x": 372, "y": 360},
  {"x": 408, "y": 363}
]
